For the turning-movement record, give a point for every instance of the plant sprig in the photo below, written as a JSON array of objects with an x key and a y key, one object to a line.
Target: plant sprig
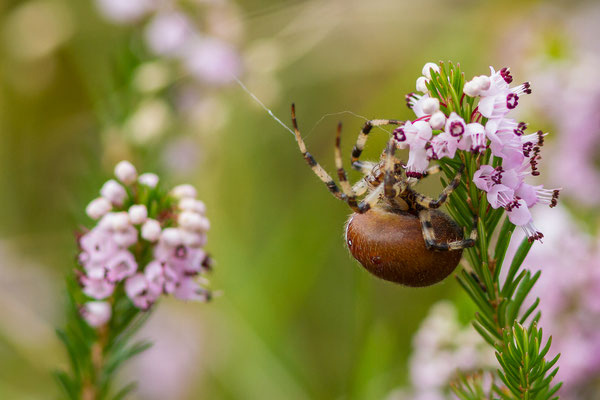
[{"x": 502, "y": 320}]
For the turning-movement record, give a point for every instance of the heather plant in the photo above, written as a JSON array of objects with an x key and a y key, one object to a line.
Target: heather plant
[
  {"x": 468, "y": 123},
  {"x": 145, "y": 243}
]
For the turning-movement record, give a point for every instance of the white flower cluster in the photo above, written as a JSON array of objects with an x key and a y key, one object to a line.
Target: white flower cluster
[{"x": 143, "y": 241}]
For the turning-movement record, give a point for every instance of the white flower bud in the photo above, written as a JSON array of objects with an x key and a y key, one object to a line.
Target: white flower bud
[
  {"x": 483, "y": 82},
  {"x": 193, "y": 239},
  {"x": 98, "y": 208},
  {"x": 189, "y": 204},
  {"x": 190, "y": 220},
  {"x": 171, "y": 237},
  {"x": 119, "y": 221},
  {"x": 430, "y": 105},
  {"x": 113, "y": 192},
  {"x": 430, "y": 66},
  {"x": 138, "y": 214},
  {"x": 437, "y": 120},
  {"x": 126, "y": 172},
  {"x": 422, "y": 84},
  {"x": 183, "y": 191},
  {"x": 96, "y": 313},
  {"x": 151, "y": 230},
  {"x": 471, "y": 89},
  {"x": 149, "y": 179}
]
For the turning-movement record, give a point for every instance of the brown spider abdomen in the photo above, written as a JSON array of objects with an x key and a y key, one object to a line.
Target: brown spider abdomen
[{"x": 391, "y": 246}]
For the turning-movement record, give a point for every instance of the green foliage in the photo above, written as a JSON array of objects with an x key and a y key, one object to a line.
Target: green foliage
[
  {"x": 96, "y": 355},
  {"x": 501, "y": 319}
]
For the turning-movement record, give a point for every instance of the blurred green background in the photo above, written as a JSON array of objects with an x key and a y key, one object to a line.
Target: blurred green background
[{"x": 298, "y": 318}]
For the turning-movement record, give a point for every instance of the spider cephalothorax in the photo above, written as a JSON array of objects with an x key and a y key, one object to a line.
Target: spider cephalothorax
[{"x": 395, "y": 232}]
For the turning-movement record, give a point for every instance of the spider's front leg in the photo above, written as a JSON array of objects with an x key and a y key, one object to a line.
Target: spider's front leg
[
  {"x": 310, "y": 160},
  {"x": 362, "y": 139},
  {"x": 428, "y": 202},
  {"x": 433, "y": 244}
]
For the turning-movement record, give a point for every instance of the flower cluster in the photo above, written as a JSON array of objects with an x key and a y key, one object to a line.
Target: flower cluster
[
  {"x": 149, "y": 242},
  {"x": 446, "y": 126},
  {"x": 442, "y": 346},
  {"x": 568, "y": 292},
  {"x": 171, "y": 33}
]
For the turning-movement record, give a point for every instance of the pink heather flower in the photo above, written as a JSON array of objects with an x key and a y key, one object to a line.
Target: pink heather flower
[
  {"x": 161, "y": 277},
  {"x": 188, "y": 289},
  {"x": 96, "y": 313},
  {"x": 417, "y": 162},
  {"x": 506, "y": 141},
  {"x": 212, "y": 61},
  {"x": 121, "y": 266},
  {"x": 537, "y": 194},
  {"x": 487, "y": 176},
  {"x": 414, "y": 135},
  {"x": 167, "y": 33},
  {"x": 499, "y": 82},
  {"x": 98, "y": 246},
  {"x": 474, "y": 138},
  {"x": 442, "y": 145},
  {"x": 97, "y": 288},
  {"x": 455, "y": 126},
  {"x": 138, "y": 290},
  {"x": 498, "y": 105}
]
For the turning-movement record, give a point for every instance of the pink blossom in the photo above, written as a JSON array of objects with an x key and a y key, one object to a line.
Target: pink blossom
[
  {"x": 97, "y": 288},
  {"x": 442, "y": 145},
  {"x": 138, "y": 290},
  {"x": 98, "y": 246},
  {"x": 188, "y": 289},
  {"x": 414, "y": 135},
  {"x": 474, "y": 138},
  {"x": 455, "y": 125},
  {"x": 121, "y": 266}
]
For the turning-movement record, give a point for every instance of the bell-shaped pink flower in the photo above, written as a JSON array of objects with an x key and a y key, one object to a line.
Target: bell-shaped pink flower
[
  {"x": 138, "y": 290},
  {"x": 442, "y": 145},
  {"x": 121, "y": 266},
  {"x": 188, "y": 289},
  {"x": 97, "y": 288},
  {"x": 414, "y": 135}
]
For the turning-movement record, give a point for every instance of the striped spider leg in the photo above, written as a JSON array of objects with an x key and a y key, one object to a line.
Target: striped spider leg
[
  {"x": 349, "y": 194},
  {"x": 428, "y": 203}
]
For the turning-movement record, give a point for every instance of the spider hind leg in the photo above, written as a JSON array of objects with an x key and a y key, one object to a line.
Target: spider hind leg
[{"x": 433, "y": 244}]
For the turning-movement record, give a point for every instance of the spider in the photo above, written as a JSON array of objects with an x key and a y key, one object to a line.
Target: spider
[{"x": 395, "y": 232}]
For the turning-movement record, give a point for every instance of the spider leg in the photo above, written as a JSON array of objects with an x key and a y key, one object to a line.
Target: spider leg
[
  {"x": 342, "y": 176},
  {"x": 428, "y": 202},
  {"x": 371, "y": 199},
  {"x": 433, "y": 244},
  {"x": 364, "y": 135},
  {"x": 317, "y": 169},
  {"x": 360, "y": 187},
  {"x": 434, "y": 169}
]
